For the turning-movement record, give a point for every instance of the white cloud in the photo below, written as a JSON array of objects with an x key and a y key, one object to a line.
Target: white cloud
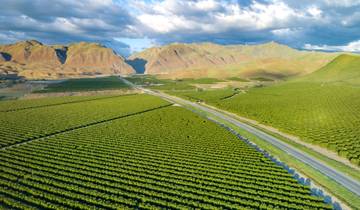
[
  {"x": 165, "y": 24},
  {"x": 171, "y": 16},
  {"x": 350, "y": 47},
  {"x": 315, "y": 12},
  {"x": 64, "y": 25},
  {"x": 207, "y": 5},
  {"x": 290, "y": 22}
]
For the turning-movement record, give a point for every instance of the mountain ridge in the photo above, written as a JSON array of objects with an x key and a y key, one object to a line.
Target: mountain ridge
[
  {"x": 34, "y": 60},
  {"x": 213, "y": 60}
]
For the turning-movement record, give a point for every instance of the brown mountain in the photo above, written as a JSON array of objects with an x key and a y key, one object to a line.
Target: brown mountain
[
  {"x": 212, "y": 60},
  {"x": 94, "y": 56},
  {"x": 29, "y": 52},
  {"x": 32, "y": 59}
]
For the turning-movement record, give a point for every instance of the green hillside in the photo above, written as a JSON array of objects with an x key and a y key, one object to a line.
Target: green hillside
[{"x": 344, "y": 68}]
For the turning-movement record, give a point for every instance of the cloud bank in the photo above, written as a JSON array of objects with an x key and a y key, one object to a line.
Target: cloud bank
[{"x": 129, "y": 26}]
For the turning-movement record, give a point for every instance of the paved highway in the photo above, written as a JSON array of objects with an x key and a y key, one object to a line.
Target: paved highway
[{"x": 346, "y": 181}]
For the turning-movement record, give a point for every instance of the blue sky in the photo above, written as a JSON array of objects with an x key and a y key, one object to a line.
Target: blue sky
[{"x": 132, "y": 25}]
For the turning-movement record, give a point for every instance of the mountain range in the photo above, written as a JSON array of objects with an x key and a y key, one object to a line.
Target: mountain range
[
  {"x": 34, "y": 60},
  {"x": 212, "y": 60}
]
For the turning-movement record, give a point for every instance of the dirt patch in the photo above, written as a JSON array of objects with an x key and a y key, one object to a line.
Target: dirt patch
[{"x": 220, "y": 85}]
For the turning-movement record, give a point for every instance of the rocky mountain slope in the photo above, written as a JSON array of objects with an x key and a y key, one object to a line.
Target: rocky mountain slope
[
  {"x": 211, "y": 60},
  {"x": 34, "y": 60}
]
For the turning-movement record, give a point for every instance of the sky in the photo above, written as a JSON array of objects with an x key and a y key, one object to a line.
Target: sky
[{"x": 129, "y": 26}]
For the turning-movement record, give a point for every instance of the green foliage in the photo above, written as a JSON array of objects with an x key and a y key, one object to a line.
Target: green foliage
[
  {"x": 184, "y": 84},
  {"x": 343, "y": 69},
  {"x": 26, "y": 124},
  {"x": 161, "y": 84},
  {"x": 166, "y": 158},
  {"x": 327, "y": 115},
  {"x": 206, "y": 95},
  {"x": 86, "y": 84},
  {"x": 322, "y": 108},
  {"x": 13, "y": 105},
  {"x": 146, "y": 80}
]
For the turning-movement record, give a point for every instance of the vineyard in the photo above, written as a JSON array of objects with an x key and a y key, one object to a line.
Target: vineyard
[
  {"x": 27, "y": 124},
  {"x": 327, "y": 115},
  {"x": 86, "y": 84},
  {"x": 14, "y": 105},
  {"x": 206, "y": 95},
  {"x": 164, "y": 158}
]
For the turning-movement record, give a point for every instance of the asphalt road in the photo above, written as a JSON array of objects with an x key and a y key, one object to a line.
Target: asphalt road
[{"x": 346, "y": 181}]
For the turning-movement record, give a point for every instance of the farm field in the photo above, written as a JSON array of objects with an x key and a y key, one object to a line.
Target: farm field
[
  {"x": 27, "y": 124},
  {"x": 327, "y": 115},
  {"x": 206, "y": 95},
  {"x": 85, "y": 84},
  {"x": 322, "y": 108},
  {"x": 165, "y": 158},
  {"x": 180, "y": 105},
  {"x": 199, "y": 84},
  {"x": 146, "y": 80},
  {"x": 14, "y": 105}
]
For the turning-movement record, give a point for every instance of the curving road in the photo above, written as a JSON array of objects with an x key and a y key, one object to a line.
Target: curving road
[{"x": 346, "y": 181}]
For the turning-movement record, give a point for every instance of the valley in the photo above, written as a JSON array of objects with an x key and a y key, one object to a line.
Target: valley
[
  {"x": 179, "y": 105},
  {"x": 314, "y": 108},
  {"x": 124, "y": 115},
  {"x": 184, "y": 161}
]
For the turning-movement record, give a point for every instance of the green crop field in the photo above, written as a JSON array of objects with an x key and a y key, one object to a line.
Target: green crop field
[
  {"x": 322, "y": 108},
  {"x": 146, "y": 80},
  {"x": 164, "y": 158},
  {"x": 86, "y": 84},
  {"x": 327, "y": 115},
  {"x": 206, "y": 95},
  {"x": 27, "y": 124},
  {"x": 14, "y": 105}
]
